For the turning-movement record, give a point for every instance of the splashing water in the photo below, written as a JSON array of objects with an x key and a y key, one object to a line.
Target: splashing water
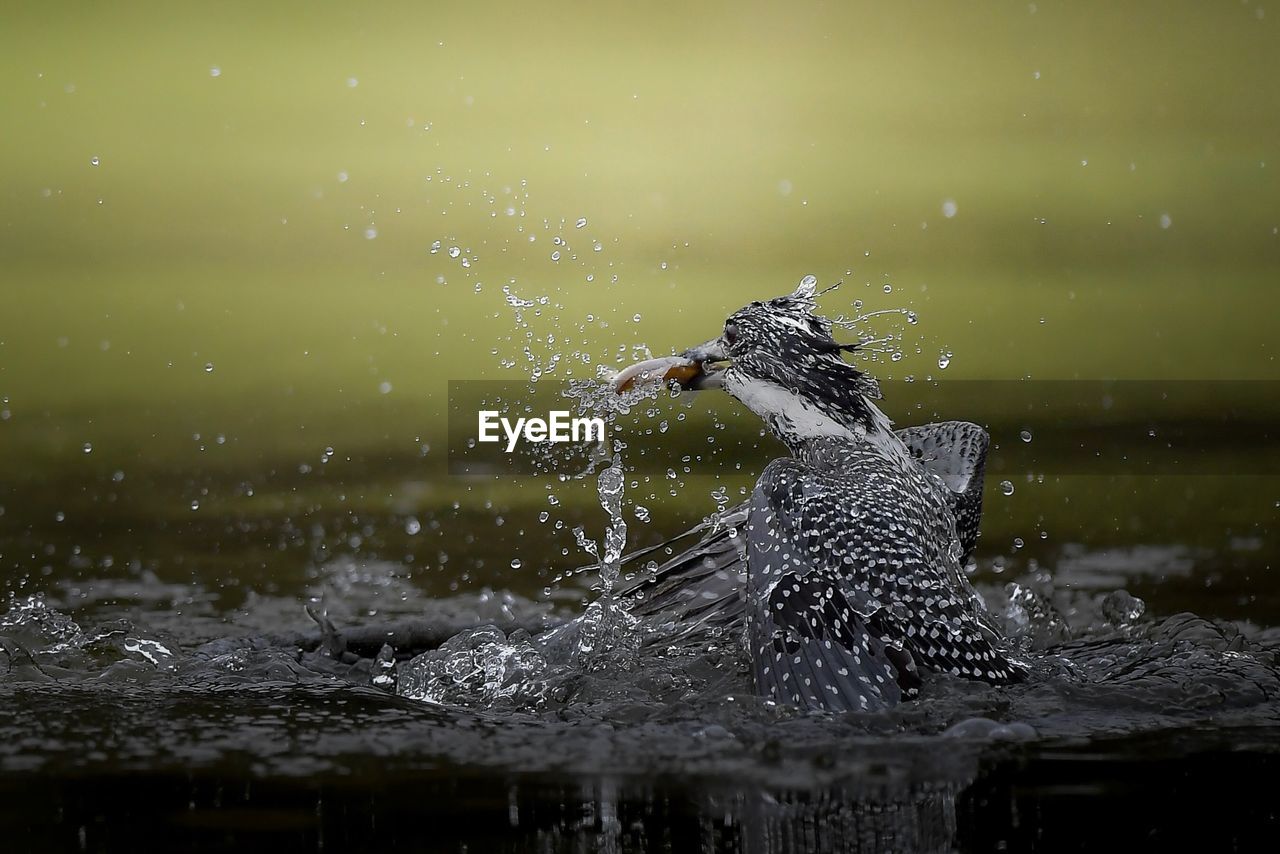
[
  {"x": 41, "y": 644},
  {"x": 478, "y": 667},
  {"x": 597, "y": 397},
  {"x": 484, "y": 667},
  {"x": 611, "y": 487},
  {"x": 874, "y": 345},
  {"x": 606, "y": 630}
]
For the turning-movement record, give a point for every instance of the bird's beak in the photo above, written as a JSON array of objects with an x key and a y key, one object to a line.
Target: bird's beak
[{"x": 694, "y": 369}]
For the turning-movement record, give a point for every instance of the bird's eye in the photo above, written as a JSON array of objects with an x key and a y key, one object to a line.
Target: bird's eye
[{"x": 731, "y": 334}]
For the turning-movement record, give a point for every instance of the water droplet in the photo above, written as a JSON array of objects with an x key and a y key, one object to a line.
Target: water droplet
[
  {"x": 353, "y": 83},
  {"x": 888, "y": 289},
  {"x": 544, "y": 516},
  {"x": 412, "y": 526},
  {"x": 215, "y": 71},
  {"x": 636, "y": 317},
  {"x": 1165, "y": 220},
  {"x": 516, "y": 563},
  {"x": 370, "y": 233},
  {"x": 944, "y": 359},
  {"x": 1006, "y": 487},
  {"x": 88, "y": 447},
  {"x": 913, "y": 318},
  {"x": 1018, "y": 543},
  {"x": 454, "y": 252},
  {"x": 94, "y": 161},
  {"x": 1025, "y": 435},
  {"x": 384, "y": 387},
  {"x": 949, "y": 208},
  {"x": 208, "y": 367},
  {"x": 581, "y": 223},
  {"x": 555, "y": 256},
  {"x": 195, "y": 505},
  {"x": 808, "y": 281}
]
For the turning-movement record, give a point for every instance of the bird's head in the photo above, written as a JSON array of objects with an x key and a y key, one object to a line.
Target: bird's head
[{"x": 778, "y": 357}]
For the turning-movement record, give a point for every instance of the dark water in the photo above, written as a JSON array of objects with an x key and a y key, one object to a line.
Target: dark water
[
  {"x": 341, "y": 770},
  {"x": 156, "y": 695}
]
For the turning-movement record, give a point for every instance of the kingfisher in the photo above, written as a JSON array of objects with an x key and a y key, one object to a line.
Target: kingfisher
[{"x": 844, "y": 570}]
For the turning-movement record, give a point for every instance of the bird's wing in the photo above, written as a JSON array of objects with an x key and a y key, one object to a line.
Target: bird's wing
[
  {"x": 842, "y": 602},
  {"x": 956, "y": 451},
  {"x": 701, "y": 583},
  {"x": 704, "y": 573}
]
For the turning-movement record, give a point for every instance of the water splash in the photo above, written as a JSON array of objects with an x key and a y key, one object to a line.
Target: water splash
[
  {"x": 41, "y": 644},
  {"x": 484, "y": 667},
  {"x": 611, "y": 487},
  {"x": 606, "y": 631},
  {"x": 1030, "y": 619},
  {"x": 478, "y": 667},
  {"x": 877, "y": 346}
]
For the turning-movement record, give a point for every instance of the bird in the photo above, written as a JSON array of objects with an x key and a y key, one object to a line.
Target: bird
[{"x": 844, "y": 570}]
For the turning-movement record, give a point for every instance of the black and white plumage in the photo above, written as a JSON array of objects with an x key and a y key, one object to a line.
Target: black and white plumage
[{"x": 845, "y": 567}]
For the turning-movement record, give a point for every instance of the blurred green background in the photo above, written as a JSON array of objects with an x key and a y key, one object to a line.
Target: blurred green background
[{"x": 245, "y": 241}]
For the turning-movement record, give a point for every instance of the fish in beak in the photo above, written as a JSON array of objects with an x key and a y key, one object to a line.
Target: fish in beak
[{"x": 696, "y": 369}]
